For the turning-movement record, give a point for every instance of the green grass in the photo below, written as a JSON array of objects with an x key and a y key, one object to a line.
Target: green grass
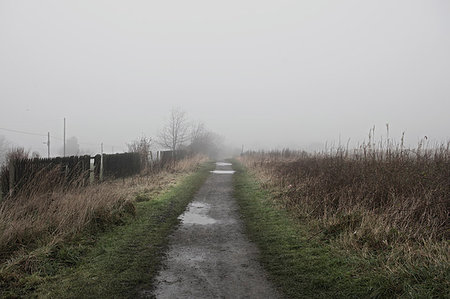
[
  {"x": 302, "y": 264},
  {"x": 120, "y": 262}
]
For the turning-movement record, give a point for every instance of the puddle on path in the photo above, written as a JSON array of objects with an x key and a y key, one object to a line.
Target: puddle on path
[
  {"x": 196, "y": 214},
  {"x": 223, "y": 164},
  {"x": 223, "y": 171}
]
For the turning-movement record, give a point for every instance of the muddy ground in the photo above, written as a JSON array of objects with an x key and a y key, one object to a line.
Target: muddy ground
[{"x": 209, "y": 254}]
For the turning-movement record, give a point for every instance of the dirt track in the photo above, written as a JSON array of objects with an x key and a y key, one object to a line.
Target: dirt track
[{"x": 209, "y": 255}]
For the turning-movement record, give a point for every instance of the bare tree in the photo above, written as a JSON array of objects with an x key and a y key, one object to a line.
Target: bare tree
[
  {"x": 197, "y": 131},
  {"x": 204, "y": 141},
  {"x": 142, "y": 147},
  {"x": 17, "y": 153},
  {"x": 176, "y": 132},
  {"x": 35, "y": 155}
]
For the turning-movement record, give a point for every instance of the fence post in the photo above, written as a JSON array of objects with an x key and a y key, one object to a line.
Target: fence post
[
  {"x": 91, "y": 170},
  {"x": 11, "y": 177},
  {"x": 151, "y": 161},
  {"x": 101, "y": 164}
]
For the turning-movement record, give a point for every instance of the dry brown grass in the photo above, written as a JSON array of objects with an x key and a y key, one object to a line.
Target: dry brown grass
[
  {"x": 47, "y": 212},
  {"x": 377, "y": 198}
]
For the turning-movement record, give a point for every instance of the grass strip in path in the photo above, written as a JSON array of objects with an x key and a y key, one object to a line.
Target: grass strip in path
[
  {"x": 125, "y": 260},
  {"x": 298, "y": 265}
]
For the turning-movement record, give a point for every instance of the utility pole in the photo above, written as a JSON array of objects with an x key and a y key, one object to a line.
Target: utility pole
[
  {"x": 64, "y": 151},
  {"x": 48, "y": 145}
]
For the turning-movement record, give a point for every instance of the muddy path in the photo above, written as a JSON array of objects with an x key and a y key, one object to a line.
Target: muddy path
[{"x": 209, "y": 255}]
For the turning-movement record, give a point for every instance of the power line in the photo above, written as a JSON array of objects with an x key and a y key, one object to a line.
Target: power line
[
  {"x": 54, "y": 137},
  {"x": 23, "y": 132}
]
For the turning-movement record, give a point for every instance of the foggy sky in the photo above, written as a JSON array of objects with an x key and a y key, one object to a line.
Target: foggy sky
[{"x": 261, "y": 73}]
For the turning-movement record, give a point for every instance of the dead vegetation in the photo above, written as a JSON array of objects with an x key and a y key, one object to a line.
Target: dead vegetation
[
  {"x": 45, "y": 212},
  {"x": 377, "y": 199}
]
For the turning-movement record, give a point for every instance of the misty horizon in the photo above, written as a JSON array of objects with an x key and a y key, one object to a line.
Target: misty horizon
[{"x": 262, "y": 74}]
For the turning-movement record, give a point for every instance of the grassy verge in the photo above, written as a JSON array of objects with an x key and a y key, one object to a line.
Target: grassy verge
[
  {"x": 121, "y": 261},
  {"x": 304, "y": 264}
]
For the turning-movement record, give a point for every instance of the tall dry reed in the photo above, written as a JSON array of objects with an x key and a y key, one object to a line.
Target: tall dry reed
[
  {"x": 377, "y": 196},
  {"x": 49, "y": 210}
]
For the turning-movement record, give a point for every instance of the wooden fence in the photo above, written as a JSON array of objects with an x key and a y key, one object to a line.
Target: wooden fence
[
  {"x": 82, "y": 169},
  {"x": 20, "y": 172},
  {"x": 166, "y": 157},
  {"x": 117, "y": 165}
]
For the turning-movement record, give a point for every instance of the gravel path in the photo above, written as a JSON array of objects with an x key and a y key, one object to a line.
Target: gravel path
[{"x": 209, "y": 255}]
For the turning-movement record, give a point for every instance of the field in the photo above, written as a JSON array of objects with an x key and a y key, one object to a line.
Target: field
[
  {"x": 48, "y": 228},
  {"x": 369, "y": 222},
  {"x": 380, "y": 203}
]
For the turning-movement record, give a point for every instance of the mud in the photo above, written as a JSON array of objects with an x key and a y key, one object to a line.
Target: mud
[{"x": 209, "y": 254}]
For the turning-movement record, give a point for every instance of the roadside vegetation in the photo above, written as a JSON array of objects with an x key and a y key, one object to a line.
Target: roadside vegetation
[
  {"x": 49, "y": 230},
  {"x": 373, "y": 221}
]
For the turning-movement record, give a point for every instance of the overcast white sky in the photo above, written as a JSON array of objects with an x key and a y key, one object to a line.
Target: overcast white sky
[{"x": 261, "y": 73}]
